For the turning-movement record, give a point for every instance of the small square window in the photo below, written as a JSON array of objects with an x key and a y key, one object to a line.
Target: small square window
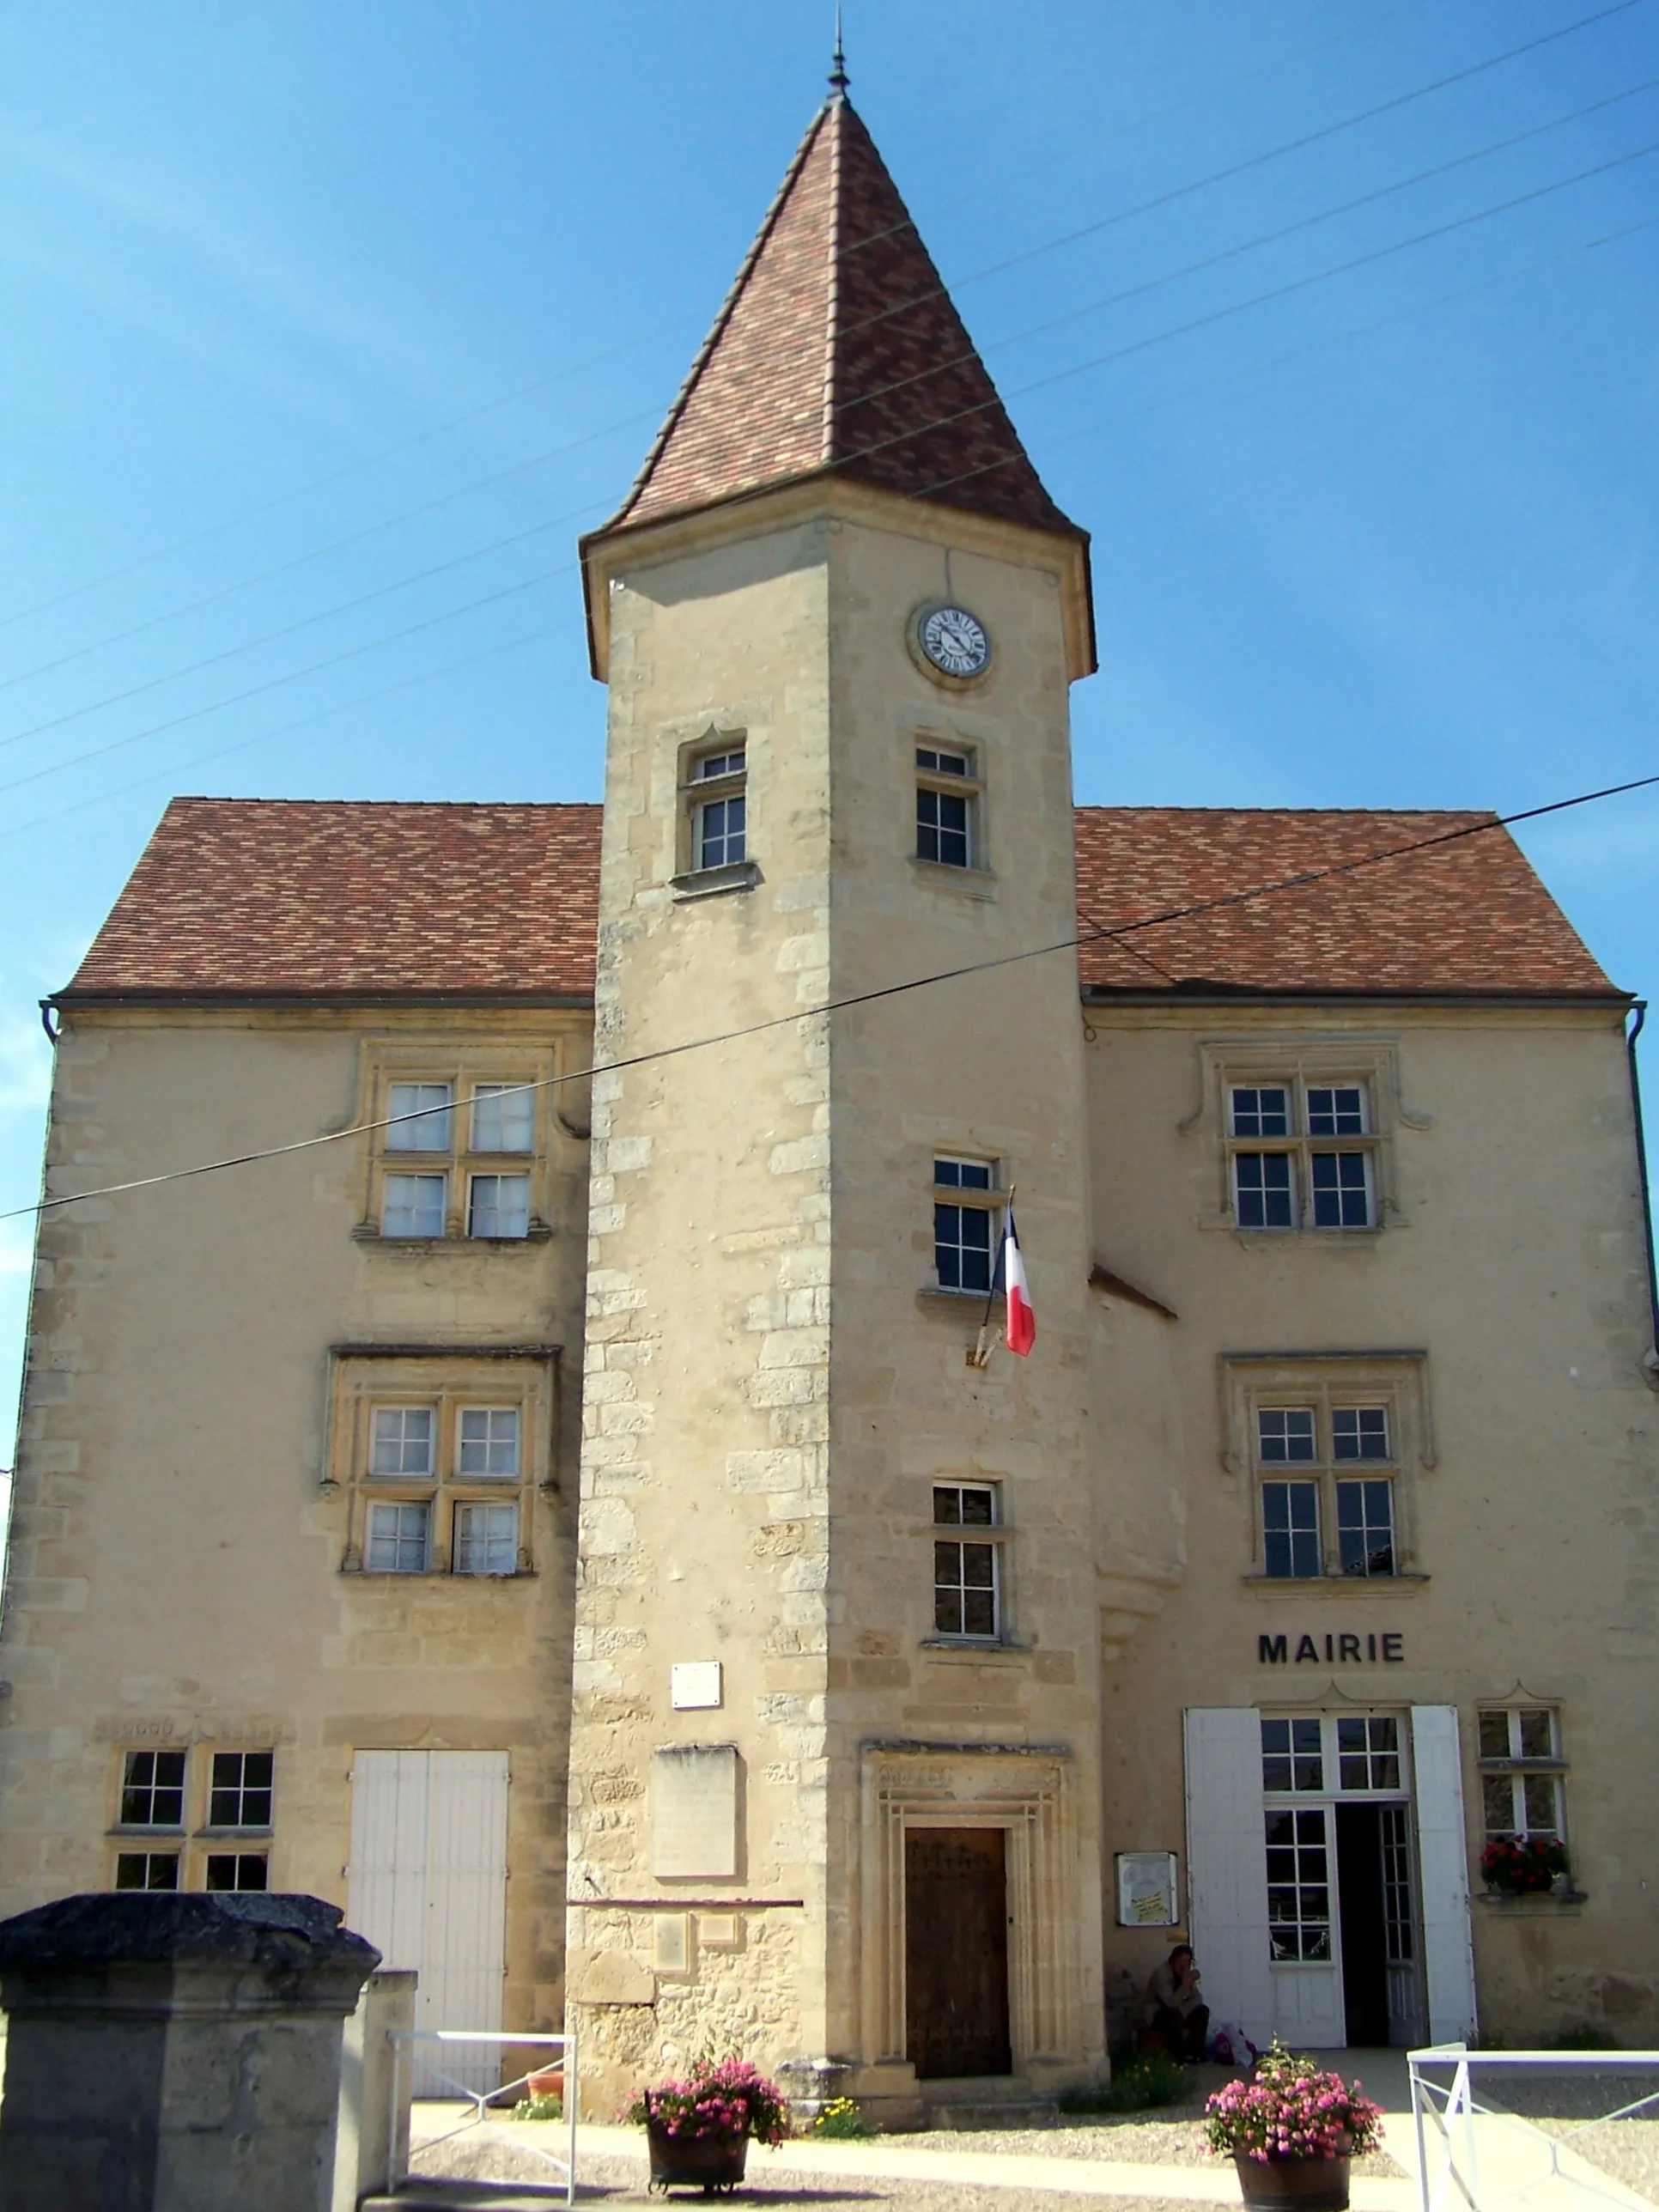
[
  {"x": 498, "y": 1205},
  {"x": 1336, "y": 1109},
  {"x": 403, "y": 1440},
  {"x": 503, "y": 1117},
  {"x": 1365, "y": 1527},
  {"x": 1342, "y": 1190},
  {"x": 963, "y": 1505},
  {"x": 1263, "y": 1190},
  {"x": 419, "y": 1117},
  {"x": 942, "y": 828},
  {"x": 1368, "y": 1752},
  {"x": 486, "y": 1540},
  {"x": 239, "y": 1791},
  {"x": 1522, "y": 1800},
  {"x": 398, "y": 1539},
  {"x": 939, "y": 763},
  {"x": 1262, "y": 1110},
  {"x": 962, "y": 1175},
  {"x": 237, "y": 1870},
  {"x": 489, "y": 1441},
  {"x": 1494, "y": 1735},
  {"x": 1536, "y": 1728},
  {"x": 1285, "y": 1433},
  {"x": 414, "y": 1205},
  {"x": 1291, "y": 1756},
  {"x": 962, "y": 1247},
  {"x": 1289, "y": 1529},
  {"x": 146, "y": 1870},
  {"x": 153, "y": 1790},
  {"x": 731, "y": 762},
  {"x": 1360, "y": 1432}
]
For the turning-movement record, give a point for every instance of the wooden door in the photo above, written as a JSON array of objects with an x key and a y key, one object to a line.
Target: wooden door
[{"x": 956, "y": 1952}]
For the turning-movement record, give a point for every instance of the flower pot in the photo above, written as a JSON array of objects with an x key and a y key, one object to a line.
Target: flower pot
[
  {"x": 1317, "y": 2184},
  {"x": 545, "y": 2081},
  {"x": 705, "y": 2162}
]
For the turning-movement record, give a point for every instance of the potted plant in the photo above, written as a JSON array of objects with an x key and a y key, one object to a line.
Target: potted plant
[
  {"x": 1291, "y": 2132},
  {"x": 699, "y": 2128},
  {"x": 1523, "y": 1866}
]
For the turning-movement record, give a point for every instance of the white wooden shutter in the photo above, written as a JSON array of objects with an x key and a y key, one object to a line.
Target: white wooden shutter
[
  {"x": 1443, "y": 1863},
  {"x": 466, "y": 1887},
  {"x": 428, "y": 1886},
  {"x": 1227, "y": 1865}
]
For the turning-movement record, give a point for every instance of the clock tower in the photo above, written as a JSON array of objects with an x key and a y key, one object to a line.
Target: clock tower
[{"x": 835, "y": 1797}]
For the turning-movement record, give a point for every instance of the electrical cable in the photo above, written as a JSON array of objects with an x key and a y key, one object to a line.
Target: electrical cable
[
  {"x": 1044, "y": 247},
  {"x": 1099, "y": 361},
  {"x": 649, "y": 337},
  {"x": 1236, "y": 169},
  {"x": 1093, "y": 934},
  {"x": 1090, "y": 429}
]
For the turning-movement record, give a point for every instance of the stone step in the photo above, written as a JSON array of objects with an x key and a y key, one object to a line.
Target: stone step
[
  {"x": 466, "y": 2197},
  {"x": 979, "y": 2113}
]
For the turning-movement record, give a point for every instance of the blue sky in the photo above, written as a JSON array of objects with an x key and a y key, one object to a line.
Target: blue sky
[{"x": 286, "y": 283}]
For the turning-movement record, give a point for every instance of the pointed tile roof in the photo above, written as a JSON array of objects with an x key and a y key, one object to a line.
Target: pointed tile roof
[{"x": 838, "y": 348}]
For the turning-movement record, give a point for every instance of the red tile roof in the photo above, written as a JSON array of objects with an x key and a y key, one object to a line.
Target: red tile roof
[
  {"x": 349, "y": 899},
  {"x": 1466, "y": 918},
  {"x": 838, "y": 347}
]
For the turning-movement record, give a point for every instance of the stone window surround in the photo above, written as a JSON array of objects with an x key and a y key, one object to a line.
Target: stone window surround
[
  {"x": 193, "y": 1839},
  {"x": 452, "y": 1378},
  {"x": 1022, "y": 1790},
  {"x": 1250, "y": 1380},
  {"x": 1299, "y": 1061},
  {"x": 509, "y": 1060}
]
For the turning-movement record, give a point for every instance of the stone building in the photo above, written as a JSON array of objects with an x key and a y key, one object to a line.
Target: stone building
[{"x": 565, "y": 1522}]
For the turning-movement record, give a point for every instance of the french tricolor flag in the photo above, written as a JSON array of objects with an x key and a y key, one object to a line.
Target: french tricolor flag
[{"x": 1017, "y": 1293}]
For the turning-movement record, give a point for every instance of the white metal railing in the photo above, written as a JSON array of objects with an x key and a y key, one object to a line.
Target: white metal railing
[
  {"x": 1474, "y": 2153},
  {"x": 403, "y": 2040}
]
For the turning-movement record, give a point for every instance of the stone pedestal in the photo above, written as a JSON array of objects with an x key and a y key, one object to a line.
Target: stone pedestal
[
  {"x": 174, "y": 2053},
  {"x": 372, "y": 2151}
]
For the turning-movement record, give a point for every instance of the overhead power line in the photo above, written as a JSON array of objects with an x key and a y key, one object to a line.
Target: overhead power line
[
  {"x": 597, "y": 360},
  {"x": 1091, "y": 429},
  {"x": 1099, "y": 361},
  {"x": 1095, "y": 934},
  {"x": 1256, "y": 160}
]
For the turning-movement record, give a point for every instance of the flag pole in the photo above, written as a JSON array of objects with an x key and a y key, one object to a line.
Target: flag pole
[{"x": 979, "y": 1353}]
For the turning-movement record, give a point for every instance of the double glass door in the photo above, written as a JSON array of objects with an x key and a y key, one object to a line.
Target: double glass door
[{"x": 1341, "y": 1918}]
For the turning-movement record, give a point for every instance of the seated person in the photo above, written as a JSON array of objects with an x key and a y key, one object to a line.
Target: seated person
[{"x": 1174, "y": 2011}]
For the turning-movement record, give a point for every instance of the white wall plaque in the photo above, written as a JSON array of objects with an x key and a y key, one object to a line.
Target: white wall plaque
[
  {"x": 693, "y": 1812},
  {"x": 695, "y": 1685},
  {"x": 1146, "y": 1894}
]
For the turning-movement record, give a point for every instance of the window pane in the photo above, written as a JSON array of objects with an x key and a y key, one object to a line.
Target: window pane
[
  {"x": 1494, "y": 1735},
  {"x": 1359, "y": 1431},
  {"x": 398, "y": 1539},
  {"x": 236, "y": 1870},
  {"x": 1364, "y": 1524},
  {"x": 1367, "y": 1751},
  {"x": 486, "y": 1540},
  {"x": 403, "y": 1440},
  {"x": 498, "y": 1205},
  {"x": 965, "y": 1589},
  {"x": 153, "y": 1790},
  {"x": 240, "y": 1790},
  {"x": 726, "y": 764},
  {"x": 503, "y": 1117},
  {"x": 941, "y": 763},
  {"x": 146, "y": 1870},
  {"x": 942, "y": 828},
  {"x": 427, "y": 1105},
  {"x": 962, "y": 1175},
  {"x": 414, "y": 1205},
  {"x": 1290, "y": 1528},
  {"x": 1537, "y": 1737},
  {"x": 1541, "y": 1801},
  {"x": 1261, "y": 1190},
  {"x": 1336, "y": 1111},
  {"x": 721, "y": 831},
  {"x": 962, "y": 1247},
  {"x": 1285, "y": 1433},
  {"x": 1342, "y": 1190},
  {"x": 1262, "y": 1110},
  {"x": 489, "y": 1440},
  {"x": 1498, "y": 1804},
  {"x": 1299, "y": 1897}
]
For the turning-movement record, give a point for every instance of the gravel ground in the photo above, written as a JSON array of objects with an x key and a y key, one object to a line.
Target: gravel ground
[
  {"x": 1171, "y": 2139},
  {"x": 620, "y": 2182}
]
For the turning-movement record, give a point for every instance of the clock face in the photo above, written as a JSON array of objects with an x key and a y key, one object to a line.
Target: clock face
[{"x": 954, "y": 641}]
